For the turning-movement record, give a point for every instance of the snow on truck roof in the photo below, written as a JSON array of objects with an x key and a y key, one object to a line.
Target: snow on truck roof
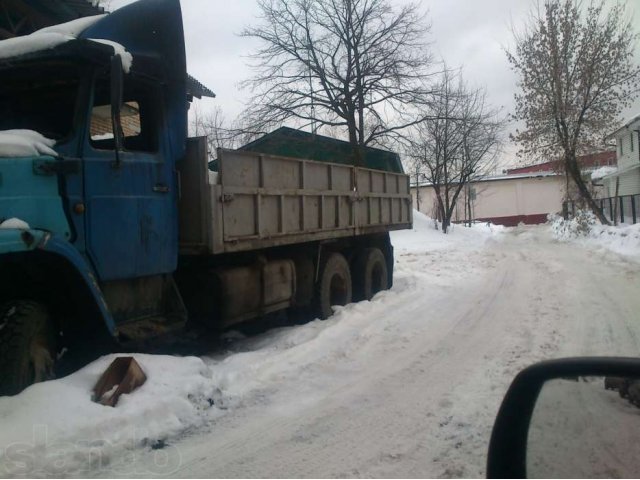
[{"x": 50, "y": 37}]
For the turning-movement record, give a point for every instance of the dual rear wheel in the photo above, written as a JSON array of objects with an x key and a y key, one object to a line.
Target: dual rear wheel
[{"x": 339, "y": 284}]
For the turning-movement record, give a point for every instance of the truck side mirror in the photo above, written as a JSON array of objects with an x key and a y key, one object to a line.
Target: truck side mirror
[
  {"x": 116, "y": 104},
  {"x": 569, "y": 418}
]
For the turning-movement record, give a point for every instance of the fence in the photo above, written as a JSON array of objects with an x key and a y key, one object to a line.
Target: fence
[{"x": 627, "y": 206}]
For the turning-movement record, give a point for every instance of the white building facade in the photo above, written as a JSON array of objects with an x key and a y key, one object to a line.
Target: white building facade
[
  {"x": 503, "y": 200},
  {"x": 628, "y": 152}
]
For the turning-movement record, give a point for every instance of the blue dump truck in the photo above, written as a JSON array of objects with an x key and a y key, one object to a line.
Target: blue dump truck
[{"x": 121, "y": 231}]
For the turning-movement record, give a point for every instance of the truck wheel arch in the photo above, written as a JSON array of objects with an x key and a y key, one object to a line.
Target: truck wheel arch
[{"x": 55, "y": 281}]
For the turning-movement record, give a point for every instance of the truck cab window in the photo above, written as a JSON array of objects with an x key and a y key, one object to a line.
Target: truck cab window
[
  {"x": 40, "y": 98},
  {"x": 139, "y": 117}
]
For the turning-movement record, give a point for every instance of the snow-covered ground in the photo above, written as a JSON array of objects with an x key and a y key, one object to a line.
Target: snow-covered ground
[
  {"x": 585, "y": 230},
  {"x": 405, "y": 385}
]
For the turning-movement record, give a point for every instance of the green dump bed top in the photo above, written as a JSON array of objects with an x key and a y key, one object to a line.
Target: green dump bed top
[{"x": 288, "y": 142}]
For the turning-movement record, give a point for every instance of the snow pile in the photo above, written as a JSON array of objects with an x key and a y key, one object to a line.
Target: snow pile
[
  {"x": 25, "y": 143},
  {"x": 585, "y": 230},
  {"x": 580, "y": 225},
  {"x": 58, "y": 417},
  {"x": 602, "y": 172},
  {"x": 424, "y": 236},
  {"x": 14, "y": 223},
  {"x": 51, "y": 37}
]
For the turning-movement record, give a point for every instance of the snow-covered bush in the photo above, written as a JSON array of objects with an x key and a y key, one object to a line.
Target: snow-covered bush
[
  {"x": 585, "y": 229},
  {"x": 580, "y": 225}
]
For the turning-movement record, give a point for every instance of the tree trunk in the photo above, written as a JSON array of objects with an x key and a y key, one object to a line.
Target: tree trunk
[{"x": 572, "y": 166}]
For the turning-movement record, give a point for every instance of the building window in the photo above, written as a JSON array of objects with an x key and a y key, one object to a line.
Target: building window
[
  {"x": 631, "y": 139},
  {"x": 621, "y": 146}
]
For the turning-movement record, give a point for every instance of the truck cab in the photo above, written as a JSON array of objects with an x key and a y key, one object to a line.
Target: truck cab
[
  {"x": 112, "y": 227},
  {"x": 102, "y": 236}
]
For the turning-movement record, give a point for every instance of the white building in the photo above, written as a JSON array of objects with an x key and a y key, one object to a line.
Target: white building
[
  {"x": 504, "y": 200},
  {"x": 628, "y": 152},
  {"x": 524, "y": 195}
]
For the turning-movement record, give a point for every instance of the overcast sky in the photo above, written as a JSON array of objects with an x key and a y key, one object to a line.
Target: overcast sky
[{"x": 466, "y": 33}]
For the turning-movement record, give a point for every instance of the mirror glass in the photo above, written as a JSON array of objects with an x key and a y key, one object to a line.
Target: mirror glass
[{"x": 586, "y": 427}]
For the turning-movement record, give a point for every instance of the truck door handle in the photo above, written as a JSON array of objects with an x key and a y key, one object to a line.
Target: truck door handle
[{"x": 160, "y": 188}]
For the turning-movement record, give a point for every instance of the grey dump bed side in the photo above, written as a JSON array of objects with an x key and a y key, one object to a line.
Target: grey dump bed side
[{"x": 258, "y": 201}]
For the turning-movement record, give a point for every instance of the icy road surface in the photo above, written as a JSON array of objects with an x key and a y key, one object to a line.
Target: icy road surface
[{"x": 406, "y": 385}]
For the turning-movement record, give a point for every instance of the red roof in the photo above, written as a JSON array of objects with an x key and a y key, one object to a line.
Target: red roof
[{"x": 593, "y": 160}]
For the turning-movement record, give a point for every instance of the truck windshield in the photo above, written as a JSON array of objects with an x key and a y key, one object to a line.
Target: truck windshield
[{"x": 39, "y": 97}]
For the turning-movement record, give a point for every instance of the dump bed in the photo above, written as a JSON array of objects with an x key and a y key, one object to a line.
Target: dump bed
[{"x": 257, "y": 201}]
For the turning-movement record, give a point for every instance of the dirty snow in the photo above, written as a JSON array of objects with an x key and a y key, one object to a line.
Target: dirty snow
[
  {"x": 14, "y": 223},
  {"x": 50, "y": 37},
  {"x": 25, "y": 143},
  {"x": 406, "y": 385}
]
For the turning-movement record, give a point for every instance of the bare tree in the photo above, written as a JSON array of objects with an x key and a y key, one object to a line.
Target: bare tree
[
  {"x": 219, "y": 130},
  {"x": 460, "y": 144},
  {"x": 359, "y": 65},
  {"x": 576, "y": 75}
]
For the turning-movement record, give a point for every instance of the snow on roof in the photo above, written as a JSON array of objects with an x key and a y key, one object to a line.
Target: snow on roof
[
  {"x": 602, "y": 172},
  {"x": 25, "y": 143},
  {"x": 46, "y": 38},
  {"x": 127, "y": 58},
  {"x": 50, "y": 37},
  {"x": 494, "y": 178},
  {"x": 73, "y": 28},
  {"x": 625, "y": 126}
]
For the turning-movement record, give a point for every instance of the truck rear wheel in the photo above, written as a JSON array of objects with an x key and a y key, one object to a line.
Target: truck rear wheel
[
  {"x": 334, "y": 287},
  {"x": 27, "y": 345},
  {"x": 370, "y": 274}
]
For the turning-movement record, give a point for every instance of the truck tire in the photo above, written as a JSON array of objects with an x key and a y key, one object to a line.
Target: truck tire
[
  {"x": 27, "y": 345},
  {"x": 370, "y": 274},
  {"x": 334, "y": 287}
]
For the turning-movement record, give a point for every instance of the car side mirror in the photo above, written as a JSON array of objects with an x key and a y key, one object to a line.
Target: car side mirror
[
  {"x": 117, "y": 82},
  {"x": 569, "y": 418}
]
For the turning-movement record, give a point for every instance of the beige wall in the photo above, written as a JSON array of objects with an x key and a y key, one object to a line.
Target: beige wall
[{"x": 504, "y": 197}]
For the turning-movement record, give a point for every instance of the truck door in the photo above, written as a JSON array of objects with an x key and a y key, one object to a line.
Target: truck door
[{"x": 130, "y": 205}]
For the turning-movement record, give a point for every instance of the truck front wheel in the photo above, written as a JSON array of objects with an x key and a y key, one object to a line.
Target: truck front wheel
[
  {"x": 334, "y": 287},
  {"x": 27, "y": 345}
]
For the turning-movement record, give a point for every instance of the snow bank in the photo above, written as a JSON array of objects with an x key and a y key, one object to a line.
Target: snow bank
[
  {"x": 584, "y": 229},
  {"x": 51, "y": 37},
  {"x": 25, "y": 143},
  {"x": 59, "y": 418},
  {"x": 424, "y": 236},
  {"x": 14, "y": 223}
]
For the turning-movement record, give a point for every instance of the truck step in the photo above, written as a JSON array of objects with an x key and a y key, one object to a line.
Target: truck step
[{"x": 143, "y": 329}]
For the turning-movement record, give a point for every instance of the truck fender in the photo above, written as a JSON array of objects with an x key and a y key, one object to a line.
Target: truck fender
[{"x": 58, "y": 246}]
